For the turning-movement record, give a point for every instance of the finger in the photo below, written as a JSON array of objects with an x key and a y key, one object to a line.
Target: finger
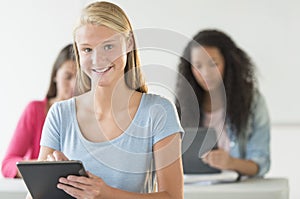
[
  {"x": 59, "y": 156},
  {"x": 209, "y": 158},
  {"x": 204, "y": 155},
  {"x": 75, "y": 184},
  {"x": 72, "y": 191},
  {"x": 219, "y": 152},
  {"x": 80, "y": 179},
  {"x": 204, "y": 159},
  {"x": 50, "y": 157},
  {"x": 213, "y": 152}
]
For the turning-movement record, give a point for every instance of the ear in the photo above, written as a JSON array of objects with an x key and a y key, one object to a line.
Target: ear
[{"x": 130, "y": 43}]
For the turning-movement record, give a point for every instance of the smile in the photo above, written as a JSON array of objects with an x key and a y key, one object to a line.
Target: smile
[{"x": 101, "y": 70}]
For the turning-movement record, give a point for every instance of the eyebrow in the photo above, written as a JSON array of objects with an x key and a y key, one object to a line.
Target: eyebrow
[
  {"x": 104, "y": 42},
  {"x": 69, "y": 73},
  {"x": 108, "y": 41}
]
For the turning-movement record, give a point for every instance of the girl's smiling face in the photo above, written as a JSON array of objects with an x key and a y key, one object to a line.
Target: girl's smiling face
[{"x": 102, "y": 53}]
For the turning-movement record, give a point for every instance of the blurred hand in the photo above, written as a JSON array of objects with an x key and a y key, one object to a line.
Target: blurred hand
[
  {"x": 82, "y": 187},
  {"x": 57, "y": 156},
  {"x": 218, "y": 158}
]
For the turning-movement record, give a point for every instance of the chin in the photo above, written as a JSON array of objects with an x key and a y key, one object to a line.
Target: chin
[{"x": 103, "y": 84}]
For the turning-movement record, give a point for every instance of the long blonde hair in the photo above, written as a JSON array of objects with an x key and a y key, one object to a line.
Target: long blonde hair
[{"x": 111, "y": 16}]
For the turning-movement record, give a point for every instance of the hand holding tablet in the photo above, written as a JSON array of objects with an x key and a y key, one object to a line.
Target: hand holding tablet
[{"x": 41, "y": 177}]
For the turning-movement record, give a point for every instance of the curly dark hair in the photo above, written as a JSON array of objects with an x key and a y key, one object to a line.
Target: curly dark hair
[{"x": 239, "y": 80}]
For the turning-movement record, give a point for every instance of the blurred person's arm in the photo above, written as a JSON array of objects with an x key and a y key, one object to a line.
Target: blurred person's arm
[
  {"x": 258, "y": 142},
  {"x": 222, "y": 160},
  {"x": 20, "y": 143},
  {"x": 257, "y": 149}
]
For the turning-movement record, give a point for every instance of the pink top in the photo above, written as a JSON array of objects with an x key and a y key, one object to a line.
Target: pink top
[
  {"x": 216, "y": 120},
  {"x": 25, "y": 143}
]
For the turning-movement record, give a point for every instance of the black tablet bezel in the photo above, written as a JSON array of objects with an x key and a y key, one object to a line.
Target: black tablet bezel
[{"x": 41, "y": 177}]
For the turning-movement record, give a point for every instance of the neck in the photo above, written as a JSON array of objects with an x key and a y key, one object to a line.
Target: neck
[{"x": 107, "y": 100}]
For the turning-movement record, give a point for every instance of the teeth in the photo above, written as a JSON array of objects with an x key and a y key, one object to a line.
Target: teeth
[{"x": 101, "y": 70}]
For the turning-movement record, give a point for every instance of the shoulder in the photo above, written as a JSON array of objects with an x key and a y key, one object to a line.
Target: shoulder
[
  {"x": 258, "y": 101},
  {"x": 60, "y": 113},
  {"x": 259, "y": 109},
  {"x": 63, "y": 108},
  {"x": 154, "y": 99},
  {"x": 157, "y": 106},
  {"x": 64, "y": 103},
  {"x": 154, "y": 102},
  {"x": 164, "y": 117},
  {"x": 37, "y": 103}
]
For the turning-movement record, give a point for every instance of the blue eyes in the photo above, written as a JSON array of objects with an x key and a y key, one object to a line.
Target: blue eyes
[
  {"x": 105, "y": 48},
  {"x": 87, "y": 50},
  {"x": 108, "y": 47}
]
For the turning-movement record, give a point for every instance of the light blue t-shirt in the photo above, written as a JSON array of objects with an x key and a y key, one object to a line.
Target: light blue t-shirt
[{"x": 125, "y": 162}]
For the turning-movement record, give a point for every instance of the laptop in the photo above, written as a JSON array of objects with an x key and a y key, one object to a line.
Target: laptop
[{"x": 195, "y": 144}]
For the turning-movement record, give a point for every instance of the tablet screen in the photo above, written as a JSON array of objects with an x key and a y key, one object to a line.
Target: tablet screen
[{"x": 41, "y": 177}]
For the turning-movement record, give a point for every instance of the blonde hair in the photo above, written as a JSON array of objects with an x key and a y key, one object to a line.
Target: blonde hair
[{"x": 111, "y": 16}]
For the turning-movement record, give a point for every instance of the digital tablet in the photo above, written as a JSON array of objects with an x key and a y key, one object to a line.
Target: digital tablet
[
  {"x": 196, "y": 142},
  {"x": 41, "y": 177}
]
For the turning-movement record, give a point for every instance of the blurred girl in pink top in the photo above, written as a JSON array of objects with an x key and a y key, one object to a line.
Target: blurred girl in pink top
[{"x": 25, "y": 143}]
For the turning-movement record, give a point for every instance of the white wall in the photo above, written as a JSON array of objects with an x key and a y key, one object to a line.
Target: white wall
[
  {"x": 284, "y": 158},
  {"x": 34, "y": 31}
]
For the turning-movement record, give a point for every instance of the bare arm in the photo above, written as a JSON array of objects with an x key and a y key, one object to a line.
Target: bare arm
[
  {"x": 244, "y": 167},
  {"x": 169, "y": 166},
  {"x": 222, "y": 160}
]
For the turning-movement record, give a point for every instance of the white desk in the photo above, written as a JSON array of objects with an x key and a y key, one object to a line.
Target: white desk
[
  {"x": 272, "y": 188},
  {"x": 12, "y": 189}
]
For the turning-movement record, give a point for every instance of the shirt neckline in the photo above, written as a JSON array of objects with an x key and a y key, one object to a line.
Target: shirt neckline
[{"x": 73, "y": 107}]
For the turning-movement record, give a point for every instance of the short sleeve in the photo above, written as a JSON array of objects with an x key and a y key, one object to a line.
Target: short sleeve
[
  {"x": 51, "y": 130},
  {"x": 166, "y": 120}
]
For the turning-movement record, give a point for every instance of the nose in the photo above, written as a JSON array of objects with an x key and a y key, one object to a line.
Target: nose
[
  {"x": 99, "y": 58},
  {"x": 204, "y": 71}
]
